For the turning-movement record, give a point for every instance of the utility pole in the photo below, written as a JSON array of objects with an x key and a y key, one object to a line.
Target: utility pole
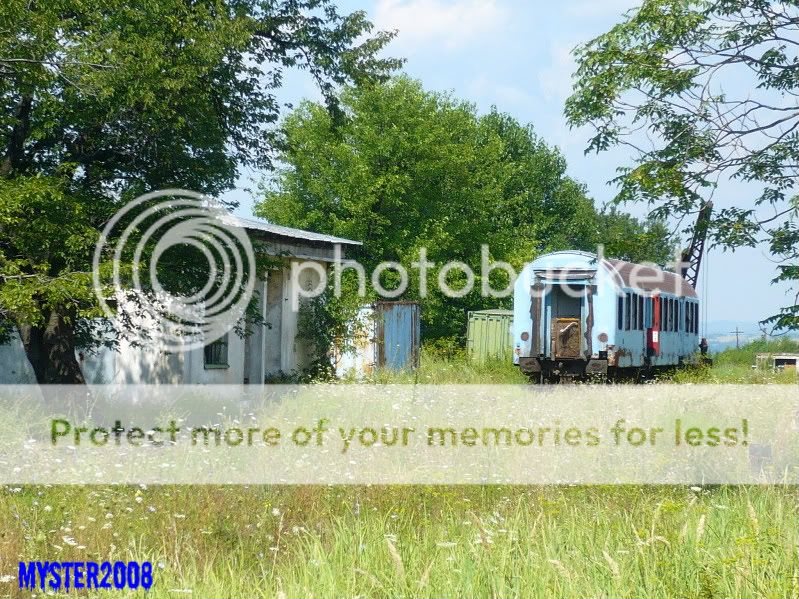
[{"x": 737, "y": 341}]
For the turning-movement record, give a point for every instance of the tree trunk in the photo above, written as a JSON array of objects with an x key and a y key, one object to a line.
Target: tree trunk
[{"x": 51, "y": 352}]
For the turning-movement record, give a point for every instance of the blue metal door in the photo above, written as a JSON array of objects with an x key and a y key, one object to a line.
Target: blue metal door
[{"x": 398, "y": 334}]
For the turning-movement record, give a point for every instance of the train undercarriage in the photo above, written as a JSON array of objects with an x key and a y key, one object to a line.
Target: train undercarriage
[{"x": 545, "y": 370}]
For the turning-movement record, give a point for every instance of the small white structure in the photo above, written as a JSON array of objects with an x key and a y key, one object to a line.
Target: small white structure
[
  {"x": 270, "y": 351},
  {"x": 386, "y": 334},
  {"x": 784, "y": 361}
]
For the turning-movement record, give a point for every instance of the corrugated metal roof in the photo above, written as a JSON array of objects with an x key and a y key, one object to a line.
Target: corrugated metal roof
[{"x": 289, "y": 232}]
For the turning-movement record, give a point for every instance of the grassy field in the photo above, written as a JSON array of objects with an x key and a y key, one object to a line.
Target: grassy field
[
  {"x": 419, "y": 542},
  {"x": 560, "y": 541},
  {"x": 732, "y": 366}
]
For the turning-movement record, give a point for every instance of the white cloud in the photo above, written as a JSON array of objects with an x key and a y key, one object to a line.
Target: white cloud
[
  {"x": 506, "y": 97},
  {"x": 591, "y": 9},
  {"x": 555, "y": 80},
  {"x": 447, "y": 23}
]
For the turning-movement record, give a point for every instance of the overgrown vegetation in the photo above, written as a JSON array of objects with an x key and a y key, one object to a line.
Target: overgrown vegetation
[
  {"x": 735, "y": 366},
  {"x": 410, "y": 169},
  {"x": 570, "y": 542},
  {"x": 447, "y": 363},
  {"x": 703, "y": 92},
  {"x": 102, "y": 101}
]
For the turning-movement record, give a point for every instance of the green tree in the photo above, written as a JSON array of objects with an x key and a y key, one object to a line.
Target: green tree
[
  {"x": 627, "y": 238},
  {"x": 409, "y": 169},
  {"x": 703, "y": 91},
  {"x": 105, "y": 100}
]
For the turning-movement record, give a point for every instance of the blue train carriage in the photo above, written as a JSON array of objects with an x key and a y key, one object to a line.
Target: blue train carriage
[{"x": 577, "y": 315}]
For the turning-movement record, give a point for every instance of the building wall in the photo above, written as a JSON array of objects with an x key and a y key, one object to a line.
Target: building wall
[{"x": 14, "y": 366}]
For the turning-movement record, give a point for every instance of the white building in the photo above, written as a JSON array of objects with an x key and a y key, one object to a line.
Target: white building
[{"x": 269, "y": 351}]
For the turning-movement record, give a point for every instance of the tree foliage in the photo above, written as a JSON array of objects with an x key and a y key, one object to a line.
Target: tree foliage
[
  {"x": 409, "y": 169},
  {"x": 104, "y": 100},
  {"x": 702, "y": 92}
]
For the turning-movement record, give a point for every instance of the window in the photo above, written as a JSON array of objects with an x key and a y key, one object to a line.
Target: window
[
  {"x": 627, "y": 312},
  {"x": 216, "y": 353},
  {"x": 696, "y": 318},
  {"x": 640, "y": 313},
  {"x": 620, "y": 314},
  {"x": 688, "y": 313},
  {"x": 669, "y": 308},
  {"x": 675, "y": 314}
]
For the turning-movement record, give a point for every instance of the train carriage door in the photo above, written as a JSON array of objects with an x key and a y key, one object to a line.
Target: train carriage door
[
  {"x": 566, "y": 330},
  {"x": 653, "y": 332}
]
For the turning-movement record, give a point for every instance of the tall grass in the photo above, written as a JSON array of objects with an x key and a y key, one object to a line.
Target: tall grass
[
  {"x": 295, "y": 542},
  {"x": 419, "y": 541},
  {"x": 735, "y": 366},
  {"x": 732, "y": 366},
  {"x": 438, "y": 369}
]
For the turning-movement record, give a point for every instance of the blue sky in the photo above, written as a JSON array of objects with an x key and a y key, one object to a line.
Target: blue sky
[{"x": 516, "y": 55}]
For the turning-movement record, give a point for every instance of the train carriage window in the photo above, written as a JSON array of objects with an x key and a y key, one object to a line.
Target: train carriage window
[
  {"x": 627, "y": 311},
  {"x": 640, "y": 313},
  {"x": 651, "y": 321},
  {"x": 696, "y": 318},
  {"x": 687, "y": 320},
  {"x": 620, "y": 314},
  {"x": 638, "y": 310},
  {"x": 675, "y": 307},
  {"x": 673, "y": 321},
  {"x": 669, "y": 314}
]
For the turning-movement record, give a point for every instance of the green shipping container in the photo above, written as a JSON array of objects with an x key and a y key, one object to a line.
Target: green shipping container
[{"x": 489, "y": 335}]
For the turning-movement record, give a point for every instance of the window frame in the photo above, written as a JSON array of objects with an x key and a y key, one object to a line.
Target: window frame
[{"x": 224, "y": 358}]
